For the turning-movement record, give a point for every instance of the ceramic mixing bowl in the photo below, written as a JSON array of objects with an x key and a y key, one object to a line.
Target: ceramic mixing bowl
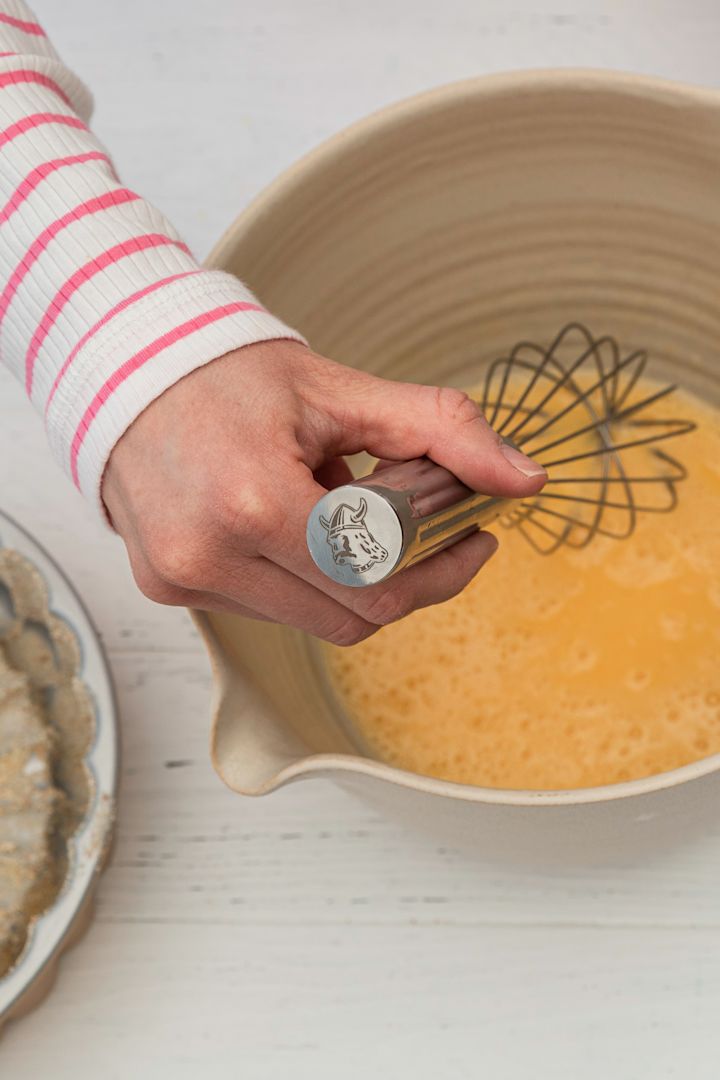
[{"x": 420, "y": 243}]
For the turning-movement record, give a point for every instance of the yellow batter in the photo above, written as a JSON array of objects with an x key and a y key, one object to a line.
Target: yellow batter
[{"x": 581, "y": 668}]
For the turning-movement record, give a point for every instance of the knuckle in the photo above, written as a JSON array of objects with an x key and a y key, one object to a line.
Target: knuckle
[
  {"x": 455, "y": 406},
  {"x": 157, "y": 589},
  {"x": 386, "y": 606},
  {"x": 175, "y": 560},
  {"x": 350, "y": 632},
  {"x": 250, "y": 513}
]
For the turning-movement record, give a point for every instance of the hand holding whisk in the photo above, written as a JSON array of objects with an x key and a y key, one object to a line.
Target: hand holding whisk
[{"x": 577, "y": 408}]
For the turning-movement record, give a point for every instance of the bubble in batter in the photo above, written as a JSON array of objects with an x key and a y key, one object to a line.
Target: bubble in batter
[{"x": 583, "y": 668}]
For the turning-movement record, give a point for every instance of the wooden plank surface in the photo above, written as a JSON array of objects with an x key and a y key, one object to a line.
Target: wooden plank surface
[{"x": 303, "y": 935}]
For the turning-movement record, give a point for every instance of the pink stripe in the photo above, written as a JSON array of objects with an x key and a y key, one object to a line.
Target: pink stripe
[
  {"x": 12, "y": 78},
  {"x": 118, "y": 377},
  {"x": 33, "y": 178},
  {"x": 95, "y": 266},
  {"x": 29, "y": 122},
  {"x": 122, "y": 306},
  {"x": 101, "y": 202},
  {"x": 19, "y": 24},
  {"x": 8, "y": 54}
]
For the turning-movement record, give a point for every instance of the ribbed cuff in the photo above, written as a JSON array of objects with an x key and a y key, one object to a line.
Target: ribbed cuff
[{"x": 214, "y": 315}]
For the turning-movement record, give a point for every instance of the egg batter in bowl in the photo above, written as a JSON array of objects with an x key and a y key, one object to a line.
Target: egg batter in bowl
[{"x": 583, "y": 668}]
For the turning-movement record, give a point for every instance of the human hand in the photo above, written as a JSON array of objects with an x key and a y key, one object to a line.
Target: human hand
[{"x": 211, "y": 486}]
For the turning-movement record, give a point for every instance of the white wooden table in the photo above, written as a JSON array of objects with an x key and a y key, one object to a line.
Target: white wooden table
[{"x": 302, "y": 935}]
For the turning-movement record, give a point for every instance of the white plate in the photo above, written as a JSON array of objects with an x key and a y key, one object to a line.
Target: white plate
[{"x": 88, "y": 846}]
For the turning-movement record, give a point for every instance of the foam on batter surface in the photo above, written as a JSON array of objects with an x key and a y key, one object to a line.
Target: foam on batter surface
[{"x": 572, "y": 670}]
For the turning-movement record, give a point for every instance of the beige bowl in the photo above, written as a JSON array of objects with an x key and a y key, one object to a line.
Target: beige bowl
[{"x": 429, "y": 236}]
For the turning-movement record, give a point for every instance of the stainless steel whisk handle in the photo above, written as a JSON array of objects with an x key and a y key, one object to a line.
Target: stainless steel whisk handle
[{"x": 361, "y": 533}]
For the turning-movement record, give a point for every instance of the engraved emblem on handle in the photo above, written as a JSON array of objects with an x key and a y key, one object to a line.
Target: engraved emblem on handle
[{"x": 350, "y": 540}]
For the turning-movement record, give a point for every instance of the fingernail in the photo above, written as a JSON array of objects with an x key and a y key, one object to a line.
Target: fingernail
[{"x": 521, "y": 462}]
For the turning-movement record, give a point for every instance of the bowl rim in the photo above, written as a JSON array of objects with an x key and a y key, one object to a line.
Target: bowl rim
[
  {"x": 314, "y": 764},
  {"x": 499, "y": 84}
]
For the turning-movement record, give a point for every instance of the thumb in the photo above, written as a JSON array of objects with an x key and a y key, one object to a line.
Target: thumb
[{"x": 401, "y": 421}]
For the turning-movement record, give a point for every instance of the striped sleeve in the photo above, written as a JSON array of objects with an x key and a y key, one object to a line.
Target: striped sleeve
[{"x": 102, "y": 306}]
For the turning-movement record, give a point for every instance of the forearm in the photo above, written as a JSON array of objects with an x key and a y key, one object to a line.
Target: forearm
[{"x": 102, "y": 307}]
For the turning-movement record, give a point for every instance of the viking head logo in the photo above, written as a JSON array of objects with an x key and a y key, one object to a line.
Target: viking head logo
[{"x": 350, "y": 540}]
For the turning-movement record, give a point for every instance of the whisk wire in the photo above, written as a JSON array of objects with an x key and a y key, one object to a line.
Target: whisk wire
[
  {"x": 548, "y": 360},
  {"x": 682, "y": 428},
  {"x": 582, "y": 398},
  {"x": 601, "y": 383}
]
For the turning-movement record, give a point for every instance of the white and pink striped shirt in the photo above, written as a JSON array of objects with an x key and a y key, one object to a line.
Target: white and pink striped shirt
[{"x": 102, "y": 307}]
